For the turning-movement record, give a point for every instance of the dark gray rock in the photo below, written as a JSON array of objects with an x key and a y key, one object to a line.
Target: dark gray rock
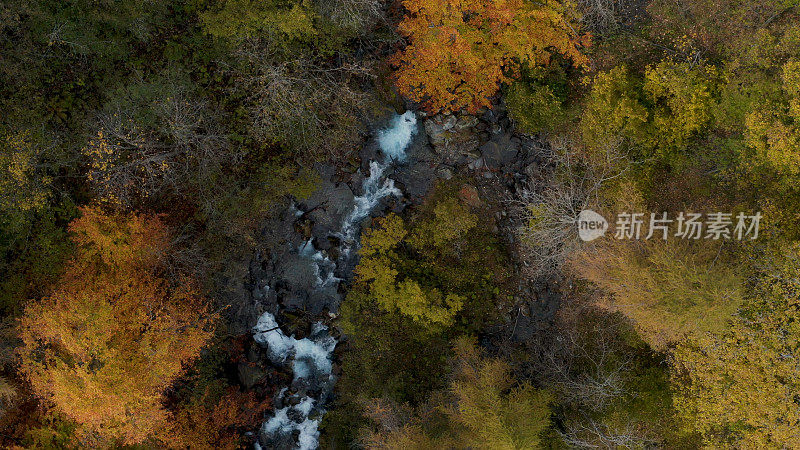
[
  {"x": 295, "y": 271},
  {"x": 532, "y": 171},
  {"x": 370, "y": 151},
  {"x": 329, "y": 214},
  {"x": 444, "y": 172},
  {"x": 476, "y": 164},
  {"x": 294, "y": 301},
  {"x": 500, "y": 151},
  {"x": 415, "y": 180}
]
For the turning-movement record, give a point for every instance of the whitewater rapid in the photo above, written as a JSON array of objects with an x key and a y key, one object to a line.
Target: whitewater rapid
[{"x": 311, "y": 357}]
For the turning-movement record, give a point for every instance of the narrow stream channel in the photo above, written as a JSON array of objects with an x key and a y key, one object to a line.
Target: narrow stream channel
[{"x": 310, "y": 357}]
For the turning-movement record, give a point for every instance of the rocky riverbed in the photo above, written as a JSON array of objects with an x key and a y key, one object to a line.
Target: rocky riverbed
[{"x": 295, "y": 286}]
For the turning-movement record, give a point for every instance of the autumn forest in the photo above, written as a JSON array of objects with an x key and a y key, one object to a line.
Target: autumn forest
[{"x": 400, "y": 224}]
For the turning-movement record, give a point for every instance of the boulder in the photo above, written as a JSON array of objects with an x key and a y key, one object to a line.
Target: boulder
[
  {"x": 415, "y": 180},
  {"x": 444, "y": 172},
  {"x": 328, "y": 215},
  {"x": 500, "y": 151},
  {"x": 469, "y": 195},
  {"x": 449, "y": 134},
  {"x": 295, "y": 271},
  {"x": 533, "y": 172}
]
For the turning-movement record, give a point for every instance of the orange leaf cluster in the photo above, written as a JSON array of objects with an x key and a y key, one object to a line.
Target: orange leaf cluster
[
  {"x": 215, "y": 423},
  {"x": 460, "y": 51},
  {"x": 115, "y": 333}
]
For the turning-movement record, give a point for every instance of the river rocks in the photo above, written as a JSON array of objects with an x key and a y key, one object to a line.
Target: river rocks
[
  {"x": 501, "y": 151},
  {"x": 453, "y": 135},
  {"x": 322, "y": 299},
  {"x": 444, "y": 172},
  {"x": 469, "y": 195},
  {"x": 416, "y": 180},
  {"x": 379, "y": 118},
  {"x": 295, "y": 270},
  {"x": 368, "y": 152},
  {"x": 532, "y": 171},
  {"x": 465, "y": 122},
  {"x": 329, "y": 216},
  {"x": 419, "y": 150},
  {"x": 476, "y": 164}
]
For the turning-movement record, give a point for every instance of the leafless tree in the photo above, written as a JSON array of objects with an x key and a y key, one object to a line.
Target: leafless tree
[
  {"x": 546, "y": 212},
  {"x": 310, "y": 108},
  {"x": 130, "y": 161},
  {"x": 586, "y": 362},
  {"x": 357, "y": 15},
  {"x": 601, "y": 15},
  {"x": 583, "y": 358},
  {"x": 592, "y": 434}
]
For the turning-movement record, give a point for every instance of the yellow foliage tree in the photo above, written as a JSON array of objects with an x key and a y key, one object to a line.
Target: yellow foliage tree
[
  {"x": 668, "y": 288},
  {"x": 658, "y": 113},
  {"x": 242, "y": 19},
  {"x": 740, "y": 389},
  {"x": 484, "y": 408},
  {"x": 613, "y": 110},
  {"x": 460, "y": 51},
  {"x": 451, "y": 220},
  {"x": 23, "y": 188},
  {"x": 773, "y": 130},
  {"x": 682, "y": 98},
  {"x": 406, "y": 296},
  {"x": 115, "y": 333}
]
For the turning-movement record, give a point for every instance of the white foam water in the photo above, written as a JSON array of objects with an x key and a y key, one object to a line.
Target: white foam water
[
  {"x": 375, "y": 188},
  {"x": 394, "y": 139},
  {"x": 311, "y": 357},
  {"x": 323, "y": 266}
]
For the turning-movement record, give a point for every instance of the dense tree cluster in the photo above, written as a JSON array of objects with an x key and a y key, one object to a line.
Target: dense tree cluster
[{"x": 460, "y": 51}]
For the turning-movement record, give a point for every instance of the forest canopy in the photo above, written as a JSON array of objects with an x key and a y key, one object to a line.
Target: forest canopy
[{"x": 392, "y": 224}]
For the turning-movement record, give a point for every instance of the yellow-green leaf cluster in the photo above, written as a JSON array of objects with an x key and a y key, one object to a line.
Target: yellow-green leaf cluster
[
  {"x": 242, "y": 19},
  {"x": 740, "y": 389},
  {"x": 428, "y": 305},
  {"x": 23, "y": 188}
]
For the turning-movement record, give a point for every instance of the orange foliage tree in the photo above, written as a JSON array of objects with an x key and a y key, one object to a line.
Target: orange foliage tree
[
  {"x": 116, "y": 332},
  {"x": 214, "y": 420},
  {"x": 460, "y": 51}
]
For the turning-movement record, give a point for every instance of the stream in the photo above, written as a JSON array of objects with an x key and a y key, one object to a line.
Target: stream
[{"x": 296, "y": 424}]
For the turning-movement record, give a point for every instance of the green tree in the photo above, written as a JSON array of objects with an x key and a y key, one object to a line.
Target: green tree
[
  {"x": 241, "y": 19},
  {"x": 407, "y": 296},
  {"x": 657, "y": 114},
  {"x": 682, "y": 96},
  {"x": 772, "y": 130},
  {"x": 611, "y": 389},
  {"x": 614, "y": 109},
  {"x": 534, "y": 108}
]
